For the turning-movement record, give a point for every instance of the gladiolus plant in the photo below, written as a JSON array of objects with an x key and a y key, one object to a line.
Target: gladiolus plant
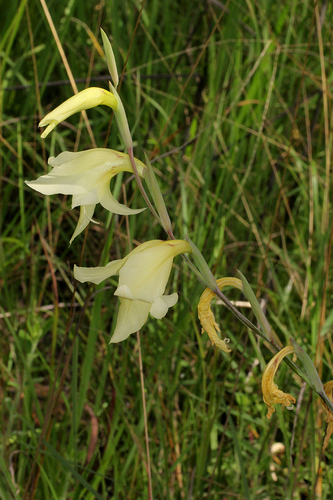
[{"x": 144, "y": 272}]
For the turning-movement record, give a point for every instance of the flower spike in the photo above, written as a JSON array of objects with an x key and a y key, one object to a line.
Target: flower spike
[
  {"x": 206, "y": 315},
  {"x": 270, "y": 390}
]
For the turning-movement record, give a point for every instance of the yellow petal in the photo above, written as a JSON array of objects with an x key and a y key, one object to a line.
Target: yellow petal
[
  {"x": 86, "y": 213},
  {"x": 206, "y": 315},
  {"x": 271, "y": 393},
  {"x": 328, "y": 388},
  {"x": 132, "y": 315}
]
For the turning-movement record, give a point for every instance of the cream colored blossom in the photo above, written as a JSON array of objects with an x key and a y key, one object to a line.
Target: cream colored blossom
[
  {"x": 328, "y": 388},
  {"x": 86, "y": 99},
  {"x": 206, "y": 315},
  {"x": 143, "y": 276},
  {"x": 86, "y": 176},
  {"x": 271, "y": 393}
]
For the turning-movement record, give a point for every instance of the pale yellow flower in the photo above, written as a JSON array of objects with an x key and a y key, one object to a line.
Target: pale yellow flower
[
  {"x": 271, "y": 393},
  {"x": 328, "y": 388},
  {"x": 86, "y": 99},
  {"x": 86, "y": 176},
  {"x": 206, "y": 315},
  {"x": 143, "y": 276}
]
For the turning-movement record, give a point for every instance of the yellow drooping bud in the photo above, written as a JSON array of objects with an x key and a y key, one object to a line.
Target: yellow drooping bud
[
  {"x": 328, "y": 388},
  {"x": 206, "y": 315},
  {"x": 86, "y": 99},
  {"x": 271, "y": 393}
]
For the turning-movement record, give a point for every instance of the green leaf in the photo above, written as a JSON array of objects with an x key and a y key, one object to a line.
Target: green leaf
[
  {"x": 110, "y": 59},
  {"x": 155, "y": 191},
  {"x": 259, "y": 313},
  {"x": 202, "y": 265},
  {"x": 309, "y": 367}
]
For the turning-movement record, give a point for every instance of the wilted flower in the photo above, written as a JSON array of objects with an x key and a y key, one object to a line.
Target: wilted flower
[
  {"x": 86, "y": 99},
  {"x": 328, "y": 388},
  {"x": 86, "y": 175},
  {"x": 143, "y": 276},
  {"x": 206, "y": 315},
  {"x": 271, "y": 393}
]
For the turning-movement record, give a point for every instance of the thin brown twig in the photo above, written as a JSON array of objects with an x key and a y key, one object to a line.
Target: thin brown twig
[{"x": 67, "y": 67}]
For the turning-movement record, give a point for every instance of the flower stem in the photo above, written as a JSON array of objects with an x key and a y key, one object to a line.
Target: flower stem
[{"x": 140, "y": 185}]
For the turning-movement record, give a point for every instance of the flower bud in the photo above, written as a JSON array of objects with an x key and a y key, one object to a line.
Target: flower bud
[
  {"x": 86, "y": 99},
  {"x": 110, "y": 59}
]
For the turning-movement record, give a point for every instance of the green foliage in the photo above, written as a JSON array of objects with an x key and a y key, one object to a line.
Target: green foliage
[{"x": 231, "y": 111}]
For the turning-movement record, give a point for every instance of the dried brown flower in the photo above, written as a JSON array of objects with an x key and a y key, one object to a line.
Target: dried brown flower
[
  {"x": 206, "y": 315},
  {"x": 270, "y": 390}
]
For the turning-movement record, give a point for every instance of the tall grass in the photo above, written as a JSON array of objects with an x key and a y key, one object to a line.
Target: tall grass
[{"x": 234, "y": 108}]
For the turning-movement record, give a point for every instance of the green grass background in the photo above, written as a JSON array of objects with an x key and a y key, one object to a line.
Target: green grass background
[{"x": 235, "y": 108}]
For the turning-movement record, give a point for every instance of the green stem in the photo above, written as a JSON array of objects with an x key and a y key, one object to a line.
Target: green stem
[{"x": 140, "y": 185}]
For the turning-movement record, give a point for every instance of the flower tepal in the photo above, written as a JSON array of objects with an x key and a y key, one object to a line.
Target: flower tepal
[
  {"x": 143, "y": 276},
  {"x": 86, "y": 176}
]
